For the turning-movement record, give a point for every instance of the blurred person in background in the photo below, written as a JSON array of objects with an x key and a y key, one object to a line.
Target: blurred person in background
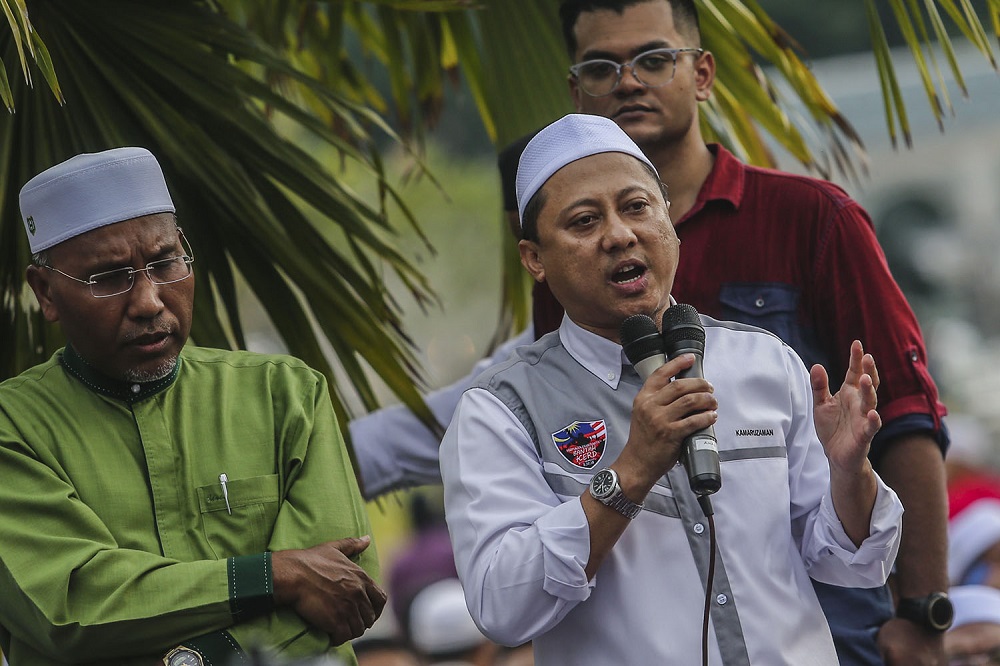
[
  {"x": 974, "y": 637},
  {"x": 443, "y": 631},
  {"x": 971, "y": 463},
  {"x": 974, "y": 544}
]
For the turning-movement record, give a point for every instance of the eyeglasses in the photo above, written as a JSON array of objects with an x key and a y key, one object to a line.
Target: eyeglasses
[
  {"x": 653, "y": 69},
  {"x": 120, "y": 280},
  {"x": 982, "y": 659}
]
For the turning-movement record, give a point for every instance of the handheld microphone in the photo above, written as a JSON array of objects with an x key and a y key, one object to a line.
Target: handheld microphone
[
  {"x": 684, "y": 334},
  {"x": 642, "y": 344}
]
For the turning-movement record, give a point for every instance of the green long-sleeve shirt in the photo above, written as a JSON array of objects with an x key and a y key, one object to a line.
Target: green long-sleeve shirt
[{"x": 117, "y": 539}]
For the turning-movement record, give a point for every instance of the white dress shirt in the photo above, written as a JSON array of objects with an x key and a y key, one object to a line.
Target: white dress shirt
[{"x": 521, "y": 547}]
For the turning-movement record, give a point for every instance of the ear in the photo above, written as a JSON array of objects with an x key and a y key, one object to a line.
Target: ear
[
  {"x": 704, "y": 76},
  {"x": 575, "y": 93},
  {"x": 531, "y": 260},
  {"x": 40, "y": 281}
]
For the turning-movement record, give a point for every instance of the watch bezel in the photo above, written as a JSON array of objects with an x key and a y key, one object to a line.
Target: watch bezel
[
  {"x": 185, "y": 650},
  {"x": 609, "y": 493},
  {"x": 601, "y": 490}
]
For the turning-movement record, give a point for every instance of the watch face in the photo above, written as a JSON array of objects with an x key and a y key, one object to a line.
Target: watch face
[
  {"x": 941, "y": 612},
  {"x": 184, "y": 657},
  {"x": 603, "y": 483}
]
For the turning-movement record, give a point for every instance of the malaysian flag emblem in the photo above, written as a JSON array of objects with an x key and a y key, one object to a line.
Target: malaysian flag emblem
[{"x": 582, "y": 442}]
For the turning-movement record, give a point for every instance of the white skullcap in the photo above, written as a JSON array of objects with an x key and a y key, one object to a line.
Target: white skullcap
[
  {"x": 440, "y": 622},
  {"x": 568, "y": 139},
  {"x": 974, "y": 604},
  {"x": 89, "y": 191},
  {"x": 970, "y": 534}
]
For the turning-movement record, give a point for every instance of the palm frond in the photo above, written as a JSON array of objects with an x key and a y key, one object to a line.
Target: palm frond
[{"x": 261, "y": 207}]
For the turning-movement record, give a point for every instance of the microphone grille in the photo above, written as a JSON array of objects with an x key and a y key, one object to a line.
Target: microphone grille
[
  {"x": 681, "y": 322},
  {"x": 640, "y": 337}
]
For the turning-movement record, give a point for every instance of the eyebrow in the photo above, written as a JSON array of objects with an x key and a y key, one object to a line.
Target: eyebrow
[
  {"x": 595, "y": 54},
  {"x": 165, "y": 248},
  {"x": 593, "y": 201}
]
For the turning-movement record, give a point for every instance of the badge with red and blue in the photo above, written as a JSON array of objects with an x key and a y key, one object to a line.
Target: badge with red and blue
[{"x": 582, "y": 442}]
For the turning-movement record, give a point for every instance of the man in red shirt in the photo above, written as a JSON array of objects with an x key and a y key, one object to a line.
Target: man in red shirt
[{"x": 790, "y": 254}]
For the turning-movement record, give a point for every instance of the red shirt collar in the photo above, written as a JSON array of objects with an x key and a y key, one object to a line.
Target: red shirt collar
[{"x": 724, "y": 183}]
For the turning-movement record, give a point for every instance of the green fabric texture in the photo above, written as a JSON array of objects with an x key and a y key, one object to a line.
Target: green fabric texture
[{"x": 116, "y": 534}]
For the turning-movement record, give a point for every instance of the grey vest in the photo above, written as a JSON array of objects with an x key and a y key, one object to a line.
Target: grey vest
[{"x": 579, "y": 425}]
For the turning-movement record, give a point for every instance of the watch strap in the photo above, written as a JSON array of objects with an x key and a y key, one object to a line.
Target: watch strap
[
  {"x": 616, "y": 499},
  {"x": 933, "y": 612},
  {"x": 623, "y": 505}
]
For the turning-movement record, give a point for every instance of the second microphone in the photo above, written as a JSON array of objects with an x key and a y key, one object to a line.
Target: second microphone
[{"x": 647, "y": 349}]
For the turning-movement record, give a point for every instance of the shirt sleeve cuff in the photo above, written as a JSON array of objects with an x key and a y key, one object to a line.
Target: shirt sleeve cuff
[
  {"x": 565, "y": 536},
  {"x": 251, "y": 586},
  {"x": 883, "y": 531}
]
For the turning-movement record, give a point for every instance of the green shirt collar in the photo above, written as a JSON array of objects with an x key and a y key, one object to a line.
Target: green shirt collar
[{"x": 129, "y": 392}]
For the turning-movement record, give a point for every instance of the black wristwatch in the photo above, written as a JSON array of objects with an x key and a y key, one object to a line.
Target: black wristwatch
[
  {"x": 605, "y": 489},
  {"x": 933, "y": 612}
]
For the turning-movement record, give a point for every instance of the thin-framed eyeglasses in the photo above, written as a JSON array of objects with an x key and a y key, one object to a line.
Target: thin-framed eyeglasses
[
  {"x": 120, "y": 280},
  {"x": 653, "y": 69}
]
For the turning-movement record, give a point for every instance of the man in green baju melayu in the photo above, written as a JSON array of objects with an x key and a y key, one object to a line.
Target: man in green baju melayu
[{"x": 163, "y": 503}]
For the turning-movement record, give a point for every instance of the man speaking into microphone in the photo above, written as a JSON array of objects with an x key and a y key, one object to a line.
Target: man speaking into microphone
[{"x": 573, "y": 524}]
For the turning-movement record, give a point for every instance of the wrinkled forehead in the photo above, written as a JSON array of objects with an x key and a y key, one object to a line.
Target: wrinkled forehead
[{"x": 136, "y": 240}]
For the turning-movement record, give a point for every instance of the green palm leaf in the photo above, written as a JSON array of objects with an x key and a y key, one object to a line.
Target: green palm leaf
[{"x": 252, "y": 104}]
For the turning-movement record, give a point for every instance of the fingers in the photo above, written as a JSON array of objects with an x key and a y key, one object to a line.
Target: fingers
[{"x": 352, "y": 546}]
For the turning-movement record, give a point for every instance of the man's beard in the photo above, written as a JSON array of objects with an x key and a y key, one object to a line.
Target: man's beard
[{"x": 157, "y": 373}]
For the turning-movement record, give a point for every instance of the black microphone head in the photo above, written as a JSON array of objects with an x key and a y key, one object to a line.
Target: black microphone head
[
  {"x": 640, "y": 338},
  {"x": 682, "y": 330}
]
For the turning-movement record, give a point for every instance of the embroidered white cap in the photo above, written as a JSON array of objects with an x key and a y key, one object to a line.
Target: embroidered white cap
[
  {"x": 440, "y": 622},
  {"x": 89, "y": 191},
  {"x": 568, "y": 139},
  {"x": 975, "y": 604}
]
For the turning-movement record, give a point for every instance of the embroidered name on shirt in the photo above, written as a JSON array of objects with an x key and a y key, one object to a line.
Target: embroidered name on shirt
[{"x": 755, "y": 432}]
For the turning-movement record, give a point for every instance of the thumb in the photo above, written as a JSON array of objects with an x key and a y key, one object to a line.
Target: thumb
[
  {"x": 820, "y": 382},
  {"x": 352, "y": 546}
]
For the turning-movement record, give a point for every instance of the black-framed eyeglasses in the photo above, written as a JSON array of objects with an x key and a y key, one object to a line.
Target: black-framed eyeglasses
[
  {"x": 653, "y": 69},
  {"x": 120, "y": 280}
]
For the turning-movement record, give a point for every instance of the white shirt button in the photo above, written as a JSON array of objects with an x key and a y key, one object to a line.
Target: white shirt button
[
  {"x": 611, "y": 376},
  {"x": 698, "y": 528},
  {"x": 722, "y": 599},
  {"x": 759, "y": 302},
  {"x": 136, "y": 388}
]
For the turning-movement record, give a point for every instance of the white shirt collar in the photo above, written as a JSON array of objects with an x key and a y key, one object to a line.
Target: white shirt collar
[{"x": 600, "y": 356}]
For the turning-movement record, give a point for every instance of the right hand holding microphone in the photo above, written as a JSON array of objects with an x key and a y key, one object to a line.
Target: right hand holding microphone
[{"x": 664, "y": 413}]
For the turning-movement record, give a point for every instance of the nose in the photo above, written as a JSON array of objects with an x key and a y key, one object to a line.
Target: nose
[
  {"x": 629, "y": 82},
  {"x": 618, "y": 234},
  {"x": 144, "y": 298}
]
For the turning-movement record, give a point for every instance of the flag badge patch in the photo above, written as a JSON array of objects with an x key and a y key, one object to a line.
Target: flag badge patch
[{"x": 582, "y": 442}]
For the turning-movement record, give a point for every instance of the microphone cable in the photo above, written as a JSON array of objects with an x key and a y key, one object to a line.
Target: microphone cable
[{"x": 706, "y": 505}]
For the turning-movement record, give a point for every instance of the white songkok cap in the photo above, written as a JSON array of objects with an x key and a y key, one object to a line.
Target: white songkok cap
[
  {"x": 568, "y": 139},
  {"x": 975, "y": 604},
  {"x": 970, "y": 534},
  {"x": 440, "y": 622},
  {"x": 89, "y": 191}
]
